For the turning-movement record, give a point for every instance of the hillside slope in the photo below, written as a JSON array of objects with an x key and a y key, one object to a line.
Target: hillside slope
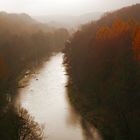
[{"x": 103, "y": 63}]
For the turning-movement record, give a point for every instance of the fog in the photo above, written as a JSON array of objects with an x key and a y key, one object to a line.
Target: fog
[{"x": 63, "y": 7}]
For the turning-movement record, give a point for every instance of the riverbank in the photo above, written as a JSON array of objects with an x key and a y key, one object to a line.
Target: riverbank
[
  {"x": 15, "y": 122},
  {"x": 103, "y": 63},
  {"x": 46, "y": 100}
]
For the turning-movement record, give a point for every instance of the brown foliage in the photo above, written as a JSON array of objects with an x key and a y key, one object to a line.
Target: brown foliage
[
  {"x": 103, "y": 62},
  {"x": 3, "y": 67},
  {"x": 136, "y": 44}
]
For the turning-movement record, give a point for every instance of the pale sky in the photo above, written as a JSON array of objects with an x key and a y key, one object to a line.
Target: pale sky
[{"x": 63, "y": 7}]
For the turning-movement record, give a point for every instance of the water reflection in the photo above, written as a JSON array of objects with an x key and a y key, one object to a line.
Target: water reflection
[
  {"x": 67, "y": 114},
  {"x": 90, "y": 132},
  {"x": 45, "y": 98},
  {"x": 98, "y": 121}
]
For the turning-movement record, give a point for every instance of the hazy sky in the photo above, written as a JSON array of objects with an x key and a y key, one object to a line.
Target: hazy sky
[{"x": 54, "y": 7}]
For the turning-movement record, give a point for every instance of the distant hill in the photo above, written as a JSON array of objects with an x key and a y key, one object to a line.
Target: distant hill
[
  {"x": 129, "y": 12},
  {"x": 17, "y": 23},
  {"x": 17, "y": 17},
  {"x": 69, "y": 21}
]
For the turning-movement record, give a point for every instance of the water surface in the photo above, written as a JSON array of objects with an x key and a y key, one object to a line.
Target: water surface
[{"x": 45, "y": 98}]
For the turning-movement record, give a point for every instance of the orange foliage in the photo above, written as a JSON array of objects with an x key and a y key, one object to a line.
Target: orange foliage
[
  {"x": 118, "y": 28},
  {"x": 136, "y": 44}
]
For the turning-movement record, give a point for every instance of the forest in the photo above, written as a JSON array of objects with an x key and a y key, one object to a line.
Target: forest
[
  {"x": 24, "y": 41},
  {"x": 24, "y": 45},
  {"x": 93, "y": 95},
  {"x": 103, "y": 63}
]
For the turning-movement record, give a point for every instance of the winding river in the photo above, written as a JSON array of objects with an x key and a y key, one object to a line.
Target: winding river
[{"x": 45, "y": 98}]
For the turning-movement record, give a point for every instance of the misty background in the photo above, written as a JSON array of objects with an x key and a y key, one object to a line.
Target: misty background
[
  {"x": 41, "y": 45},
  {"x": 64, "y": 13}
]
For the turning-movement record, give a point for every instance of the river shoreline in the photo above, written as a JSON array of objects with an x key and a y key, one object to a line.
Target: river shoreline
[{"x": 45, "y": 98}]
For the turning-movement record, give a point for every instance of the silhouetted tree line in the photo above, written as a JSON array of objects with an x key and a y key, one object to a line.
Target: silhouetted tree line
[
  {"x": 103, "y": 63},
  {"x": 24, "y": 44},
  {"x": 19, "y": 125}
]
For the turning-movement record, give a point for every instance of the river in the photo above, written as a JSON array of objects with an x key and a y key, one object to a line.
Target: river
[{"x": 45, "y": 98}]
